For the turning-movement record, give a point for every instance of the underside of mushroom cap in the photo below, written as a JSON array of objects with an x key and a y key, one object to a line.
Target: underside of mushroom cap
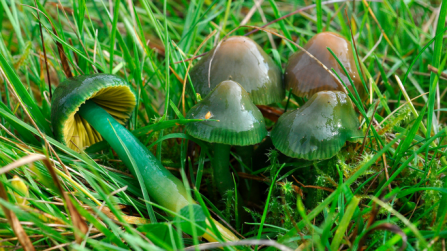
[
  {"x": 110, "y": 92},
  {"x": 242, "y": 60},
  {"x": 240, "y": 121},
  {"x": 319, "y": 129},
  {"x": 306, "y": 76}
]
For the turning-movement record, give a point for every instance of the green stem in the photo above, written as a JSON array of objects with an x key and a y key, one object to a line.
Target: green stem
[
  {"x": 162, "y": 186},
  {"x": 221, "y": 164},
  {"x": 246, "y": 153}
]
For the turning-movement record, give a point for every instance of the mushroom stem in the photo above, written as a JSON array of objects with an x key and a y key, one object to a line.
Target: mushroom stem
[
  {"x": 246, "y": 153},
  {"x": 161, "y": 185},
  {"x": 221, "y": 163}
]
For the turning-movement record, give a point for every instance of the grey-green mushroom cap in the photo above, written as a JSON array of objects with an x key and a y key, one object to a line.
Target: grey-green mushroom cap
[
  {"x": 240, "y": 121},
  {"x": 242, "y": 60},
  {"x": 306, "y": 76},
  {"x": 319, "y": 129},
  {"x": 110, "y": 92}
]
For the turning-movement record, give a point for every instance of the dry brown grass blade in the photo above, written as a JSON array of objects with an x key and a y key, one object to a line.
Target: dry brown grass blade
[
  {"x": 76, "y": 218},
  {"x": 207, "y": 246},
  {"x": 60, "y": 48},
  {"x": 23, "y": 161},
  {"x": 357, "y": 53},
  {"x": 365, "y": 2},
  {"x": 369, "y": 127},
  {"x": 44, "y": 52},
  {"x": 437, "y": 71},
  {"x": 15, "y": 224},
  {"x": 269, "y": 112},
  {"x": 189, "y": 66}
]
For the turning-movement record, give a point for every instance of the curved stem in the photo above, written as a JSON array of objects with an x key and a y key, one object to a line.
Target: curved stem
[
  {"x": 221, "y": 164},
  {"x": 161, "y": 185}
]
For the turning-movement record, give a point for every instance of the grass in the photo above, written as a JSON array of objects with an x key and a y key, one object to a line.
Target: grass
[{"x": 394, "y": 189}]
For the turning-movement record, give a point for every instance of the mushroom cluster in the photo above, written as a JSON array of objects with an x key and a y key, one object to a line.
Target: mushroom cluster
[
  {"x": 234, "y": 77},
  {"x": 320, "y": 128}
]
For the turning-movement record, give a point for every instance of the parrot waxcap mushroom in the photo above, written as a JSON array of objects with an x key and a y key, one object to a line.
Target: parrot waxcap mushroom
[
  {"x": 239, "y": 123},
  {"x": 242, "y": 60},
  {"x": 110, "y": 92},
  {"x": 319, "y": 129},
  {"x": 306, "y": 76}
]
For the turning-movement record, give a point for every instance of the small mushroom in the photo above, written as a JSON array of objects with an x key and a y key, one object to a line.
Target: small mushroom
[
  {"x": 306, "y": 76},
  {"x": 86, "y": 109},
  {"x": 242, "y": 60},
  {"x": 319, "y": 129},
  {"x": 239, "y": 123}
]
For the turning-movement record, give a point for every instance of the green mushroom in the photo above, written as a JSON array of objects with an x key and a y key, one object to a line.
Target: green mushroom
[
  {"x": 87, "y": 109},
  {"x": 240, "y": 124},
  {"x": 319, "y": 129},
  {"x": 242, "y": 60}
]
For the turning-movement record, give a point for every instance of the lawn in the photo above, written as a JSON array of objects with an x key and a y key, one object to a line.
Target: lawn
[{"x": 159, "y": 182}]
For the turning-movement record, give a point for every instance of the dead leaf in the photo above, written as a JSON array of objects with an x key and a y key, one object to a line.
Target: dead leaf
[
  {"x": 24, "y": 240},
  {"x": 270, "y": 112}
]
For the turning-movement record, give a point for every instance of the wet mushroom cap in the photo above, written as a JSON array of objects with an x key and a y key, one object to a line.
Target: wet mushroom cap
[
  {"x": 319, "y": 129},
  {"x": 110, "y": 92},
  {"x": 306, "y": 76},
  {"x": 240, "y": 121},
  {"x": 242, "y": 60}
]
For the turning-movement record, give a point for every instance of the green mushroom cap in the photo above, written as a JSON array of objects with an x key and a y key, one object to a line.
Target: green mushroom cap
[
  {"x": 306, "y": 76},
  {"x": 110, "y": 92},
  {"x": 240, "y": 121},
  {"x": 319, "y": 129},
  {"x": 242, "y": 60}
]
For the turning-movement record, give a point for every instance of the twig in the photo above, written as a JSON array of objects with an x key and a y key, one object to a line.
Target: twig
[
  {"x": 385, "y": 166},
  {"x": 239, "y": 243},
  {"x": 189, "y": 66},
  {"x": 436, "y": 71},
  {"x": 373, "y": 48},
  {"x": 400, "y": 107},
  {"x": 44, "y": 52}
]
